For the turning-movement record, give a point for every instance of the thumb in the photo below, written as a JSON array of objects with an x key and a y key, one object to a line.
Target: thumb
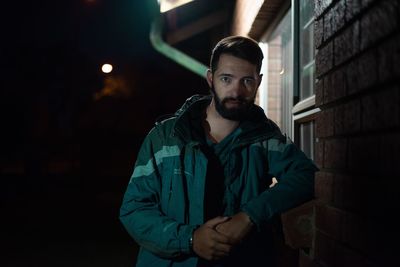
[{"x": 217, "y": 220}]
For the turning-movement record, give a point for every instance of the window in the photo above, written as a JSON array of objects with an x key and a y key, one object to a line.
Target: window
[
  {"x": 307, "y": 51},
  {"x": 275, "y": 90},
  {"x": 304, "y": 110},
  {"x": 287, "y": 92}
]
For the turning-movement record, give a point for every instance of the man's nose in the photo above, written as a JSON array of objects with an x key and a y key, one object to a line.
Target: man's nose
[{"x": 238, "y": 89}]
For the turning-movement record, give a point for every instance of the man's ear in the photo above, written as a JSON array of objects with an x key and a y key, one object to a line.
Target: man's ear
[{"x": 209, "y": 77}]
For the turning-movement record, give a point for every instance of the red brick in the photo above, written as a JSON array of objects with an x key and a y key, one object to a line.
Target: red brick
[
  {"x": 353, "y": 193},
  {"x": 366, "y": 3},
  {"x": 328, "y": 87},
  {"x": 324, "y": 59},
  {"x": 331, "y": 221},
  {"x": 388, "y": 59},
  {"x": 324, "y": 123},
  {"x": 375, "y": 237},
  {"x": 339, "y": 234},
  {"x": 356, "y": 232},
  {"x": 347, "y": 43},
  {"x": 381, "y": 110},
  {"x": 367, "y": 71},
  {"x": 389, "y": 155},
  {"x": 319, "y": 92},
  {"x": 383, "y": 188},
  {"x": 353, "y": 8},
  {"x": 352, "y": 77},
  {"x": 348, "y": 118},
  {"x": 380, "y": 21},
  {"x": 328, "y": 25},
  {"x": 370, "y": 249},
  {"x": 339, "y": 15},
  {"x": 345, "y": 256},
  {"x": 364, "y": 154},
  {"x": 324, "y": 249},
  {"x": 345, "y": 193},
  {"x": 321, "y": 6},
  {"x": 324, "y": 187},
  {"x": 319, "y": 153},
  {"x": 306, "y": 260},
  {"x": 335, "y": 154},
  {"x": 339, "y": 83},
  {"x": 342, "y": 227},
  {"x": 298, "y": 225},
  {"x": 337, "y": 88},
  {"x": 318, "y": 32}
]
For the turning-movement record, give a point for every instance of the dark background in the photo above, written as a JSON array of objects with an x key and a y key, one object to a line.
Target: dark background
[{"x": 69, "y": 133}]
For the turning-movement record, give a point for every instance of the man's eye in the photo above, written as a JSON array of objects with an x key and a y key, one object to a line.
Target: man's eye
[
  {"x": 225, "y": 79},
  {"x": 248, "y": 81}
]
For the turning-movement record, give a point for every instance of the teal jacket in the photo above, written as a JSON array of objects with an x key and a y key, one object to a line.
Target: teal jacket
[{"x": 163, "y": 202}]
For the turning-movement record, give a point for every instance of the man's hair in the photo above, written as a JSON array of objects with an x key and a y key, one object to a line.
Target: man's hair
[{"x": 238, "y": 46}]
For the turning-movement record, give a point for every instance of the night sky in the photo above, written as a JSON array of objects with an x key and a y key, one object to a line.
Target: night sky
[
  {"x": 102, "y": 29},
  {"x": 70, "y": 133}
]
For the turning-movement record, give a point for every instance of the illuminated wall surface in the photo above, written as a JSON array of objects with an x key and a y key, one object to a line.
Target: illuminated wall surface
[{"x": 166, "y": 5}]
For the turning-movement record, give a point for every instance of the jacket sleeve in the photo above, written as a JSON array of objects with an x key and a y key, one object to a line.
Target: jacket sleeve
[
  {"x": 295, "y": 174},
  {"x": 140, "y": 212}
]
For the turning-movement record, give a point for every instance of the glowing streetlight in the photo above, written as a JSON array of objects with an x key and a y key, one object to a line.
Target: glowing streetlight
[{"x": 106, "y": 68}]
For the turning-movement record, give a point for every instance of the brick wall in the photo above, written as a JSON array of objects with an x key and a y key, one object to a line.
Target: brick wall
[{"x": 358, "y": 140}]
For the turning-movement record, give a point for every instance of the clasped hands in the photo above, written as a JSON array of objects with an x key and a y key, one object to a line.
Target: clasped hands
[{"x": 216, "y": 238}]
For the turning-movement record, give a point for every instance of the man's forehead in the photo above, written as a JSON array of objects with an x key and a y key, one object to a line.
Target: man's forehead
[
  {"x": 230, "y": 64},
  {"x": 226, "y": 58}
]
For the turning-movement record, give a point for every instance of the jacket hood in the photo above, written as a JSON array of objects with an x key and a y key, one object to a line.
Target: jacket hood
[{"x": 189, "y": 128}]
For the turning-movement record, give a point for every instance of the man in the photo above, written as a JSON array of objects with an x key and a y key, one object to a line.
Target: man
[{"x": 199, "y": 194}]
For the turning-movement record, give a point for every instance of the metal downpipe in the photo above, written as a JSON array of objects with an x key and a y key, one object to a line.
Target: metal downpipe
[{"x": 171, "y": 52}]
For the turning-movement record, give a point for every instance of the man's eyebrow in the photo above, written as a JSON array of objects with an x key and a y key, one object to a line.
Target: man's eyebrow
[
  {"x": 225, "y": 74},
  {"x": 231, "y": 75}
]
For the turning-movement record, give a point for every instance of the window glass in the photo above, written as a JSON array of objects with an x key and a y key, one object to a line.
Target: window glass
[
  {"x": 307, "y": 51},
  {"x": 278, "y": 80},
  {"x": 306, "y": 136}
]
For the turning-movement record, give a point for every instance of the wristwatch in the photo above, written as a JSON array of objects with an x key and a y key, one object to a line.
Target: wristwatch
[
  {"x": 191, "y": 239},
  {"x": 191, "y": 243}
]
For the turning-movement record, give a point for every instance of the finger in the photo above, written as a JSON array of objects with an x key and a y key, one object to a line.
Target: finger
[
  {"x": 223, "y": 249},
  {"x": 219, "y": 255},
  {"x": 215, "y": 221},
  {"x": 221, "y": 238},
  {"x": 215, "y": 257},
  {"x": 221, "y": 228}
]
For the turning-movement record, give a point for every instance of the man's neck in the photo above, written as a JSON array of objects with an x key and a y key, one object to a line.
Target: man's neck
[{"x": 215, "y": 126}]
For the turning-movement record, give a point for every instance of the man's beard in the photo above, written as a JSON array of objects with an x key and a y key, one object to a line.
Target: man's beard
[{"x": 236, "y": 113}]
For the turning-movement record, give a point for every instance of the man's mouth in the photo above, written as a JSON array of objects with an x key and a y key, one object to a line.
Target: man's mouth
[{"x": 234, "y": 102}]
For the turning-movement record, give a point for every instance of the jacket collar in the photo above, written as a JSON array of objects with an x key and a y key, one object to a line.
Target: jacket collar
[{"x": 188, "y": 126}]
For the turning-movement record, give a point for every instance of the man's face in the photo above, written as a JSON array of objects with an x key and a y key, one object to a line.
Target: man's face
[{"x": 234, "y": 86}]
